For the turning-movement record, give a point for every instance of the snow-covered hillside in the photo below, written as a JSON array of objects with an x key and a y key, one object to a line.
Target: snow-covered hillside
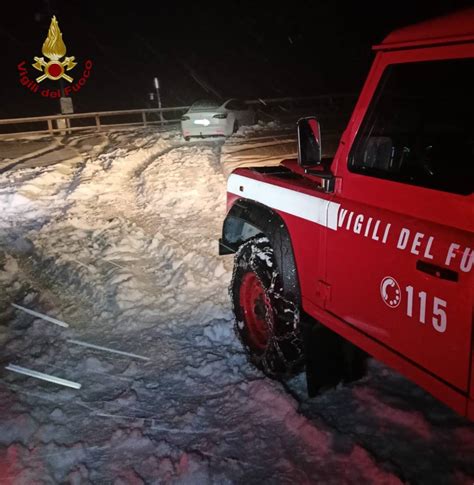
[{"x": 119, "y": 240}]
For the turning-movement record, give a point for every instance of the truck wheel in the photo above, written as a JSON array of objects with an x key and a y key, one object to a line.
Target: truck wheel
[{"x": 267, "y": 323}]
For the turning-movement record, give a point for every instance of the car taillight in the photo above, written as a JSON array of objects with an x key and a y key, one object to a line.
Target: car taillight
[
  {"x": 184, "y": 118},
  {"x": 220, "y": 116}
]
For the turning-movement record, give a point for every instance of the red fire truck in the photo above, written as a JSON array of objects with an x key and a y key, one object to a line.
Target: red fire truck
[{"x": 369, "y": 252}]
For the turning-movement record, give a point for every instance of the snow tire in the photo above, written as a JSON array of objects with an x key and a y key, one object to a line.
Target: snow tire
[{"x": 266, "y": 322}]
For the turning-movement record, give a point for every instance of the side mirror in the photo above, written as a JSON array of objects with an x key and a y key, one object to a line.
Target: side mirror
[{"x": 309, "y": 142}]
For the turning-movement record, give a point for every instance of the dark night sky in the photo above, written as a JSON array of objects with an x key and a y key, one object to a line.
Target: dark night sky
[{"x": 243, "y": 49}]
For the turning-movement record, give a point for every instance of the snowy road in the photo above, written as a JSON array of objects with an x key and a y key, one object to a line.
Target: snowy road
[{"x": 119, "y": 240}]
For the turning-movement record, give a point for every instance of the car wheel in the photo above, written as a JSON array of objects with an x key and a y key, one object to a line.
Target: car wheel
[
  {"x": 266, "y": 322},
  {"x": 187, "y": 138}
]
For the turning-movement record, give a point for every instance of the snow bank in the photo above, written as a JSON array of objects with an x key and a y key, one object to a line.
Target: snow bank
[{"x": 121, "y": 242}]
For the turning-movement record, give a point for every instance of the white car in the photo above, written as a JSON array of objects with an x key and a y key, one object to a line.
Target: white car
[{"x": 210, "y": 118}]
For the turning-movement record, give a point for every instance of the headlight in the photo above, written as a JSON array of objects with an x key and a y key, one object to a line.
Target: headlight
[
  {"x": 220, "y": 116},
  {"x": 184, "y": 118}
]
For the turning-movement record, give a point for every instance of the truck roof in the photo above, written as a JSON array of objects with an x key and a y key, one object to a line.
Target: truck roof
[{"x": 455, "y": 27}]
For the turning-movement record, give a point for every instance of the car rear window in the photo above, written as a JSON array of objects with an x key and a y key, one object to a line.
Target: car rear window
[{"x": 204, "y": 104}]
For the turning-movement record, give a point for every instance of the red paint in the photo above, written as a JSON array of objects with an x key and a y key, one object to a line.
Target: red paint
[
  {"x": 351, "y": 278},
  {"x": 457, "y": 27},
  {"x": 256, "y": 306},
  {"x": 55, "y": 69}
]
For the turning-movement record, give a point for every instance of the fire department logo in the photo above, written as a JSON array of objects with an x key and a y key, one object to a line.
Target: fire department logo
[
  {"x": 390, "y": 292},
  {"x": 54, "y": 49}
]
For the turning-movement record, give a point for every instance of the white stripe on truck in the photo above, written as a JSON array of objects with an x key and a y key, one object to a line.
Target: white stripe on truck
[{"x": 306, "y": 206}]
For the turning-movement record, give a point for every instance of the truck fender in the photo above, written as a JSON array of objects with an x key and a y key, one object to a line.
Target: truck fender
[
  {"x": 247, "y": 219},
  {"x": 329, "y": 358}
]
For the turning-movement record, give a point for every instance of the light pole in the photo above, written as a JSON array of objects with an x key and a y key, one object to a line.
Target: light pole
[{"x": 158, "y": 97}]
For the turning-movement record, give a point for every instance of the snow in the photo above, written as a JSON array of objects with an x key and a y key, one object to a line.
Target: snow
[{"x": 120, "y": 241}]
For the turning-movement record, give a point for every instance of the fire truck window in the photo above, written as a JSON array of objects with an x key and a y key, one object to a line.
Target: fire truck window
[{"x": 419, "y": 128}]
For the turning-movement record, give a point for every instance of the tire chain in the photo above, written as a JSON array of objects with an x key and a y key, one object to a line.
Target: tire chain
[{"x": 287, "y": 312}]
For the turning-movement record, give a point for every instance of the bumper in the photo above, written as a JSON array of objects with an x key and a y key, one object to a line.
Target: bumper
[{"x": 217, "y": 127}]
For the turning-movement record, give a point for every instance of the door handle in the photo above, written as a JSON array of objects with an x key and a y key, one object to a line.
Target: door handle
[{"x": 437, "y": 271}]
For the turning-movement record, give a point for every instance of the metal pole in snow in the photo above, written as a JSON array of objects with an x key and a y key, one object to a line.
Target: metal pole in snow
[
  {"x": 158, "y": 97},
  {"x": 106, "y": 349},
  {"x": 41, "y": 315},
  {"x": 44, "y": 377}
]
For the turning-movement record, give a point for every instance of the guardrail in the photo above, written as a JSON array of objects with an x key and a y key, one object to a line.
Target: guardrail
[
  {"x": 62, "y": 123},
  {"x": 330, "y": 98}
]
